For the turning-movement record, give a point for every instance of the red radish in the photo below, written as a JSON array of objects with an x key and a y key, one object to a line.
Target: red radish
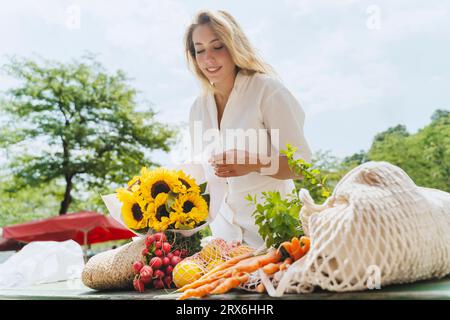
[
  {"x": 160, "y": 237},
  {"x": 138, "y": 285},
  {"x": 165, "y": 261},
  {"x": 158, "y": 284},
  {"x": 175, "y": 260},
  {"x": 169, "y": 270},
  {"x": 184, "y": 253},
  {"x": 159, "y": 253},
  {"x": 146, "y": 280},
  {"x": 149, "y": 240},
  {"x": 166, "y": 247},
  {"x": 167, "y": 281},
  {"x": 177, "y": 252},
  {"x": 155, "y": 262},
  {"x": 137, "y": 266},
  {"x": 146, "y": 274},
  {"x": 159, "y": 274},
  {"x": 169, "y": 255},
  {"x": 144, "y": 252},
  {"x": 158, "y": 245}
]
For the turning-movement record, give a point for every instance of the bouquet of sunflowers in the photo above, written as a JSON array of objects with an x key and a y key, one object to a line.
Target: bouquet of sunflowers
[{"x": 159, "y": 200}]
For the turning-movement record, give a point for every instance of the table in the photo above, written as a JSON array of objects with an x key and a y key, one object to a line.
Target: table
[{"x": 75, "y": 290}]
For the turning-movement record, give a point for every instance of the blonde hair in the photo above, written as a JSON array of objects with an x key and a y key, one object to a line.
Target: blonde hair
[{"x": 231, "y": 35}]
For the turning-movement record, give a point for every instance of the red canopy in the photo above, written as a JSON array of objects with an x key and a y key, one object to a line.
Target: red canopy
[
  {"x": 84, "y": 227},
  {"x": 10, "y": 245}
]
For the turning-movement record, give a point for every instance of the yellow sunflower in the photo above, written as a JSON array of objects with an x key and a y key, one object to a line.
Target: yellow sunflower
[
  {"x": 134, "y": 184},
  {"x": 156, "y": 182},
  {"x": 193, "y": 206},
  {"x": 181, "y": 220},
  {"x": 159, "y": 217},
  {"x": 133, "y": 210},
  {"x": 189, "y": 184}
]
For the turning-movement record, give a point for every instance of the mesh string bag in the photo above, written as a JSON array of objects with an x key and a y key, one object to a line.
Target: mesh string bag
[
  {"x": 214, "y": 253},
  {"x": 376, "y": 226}
]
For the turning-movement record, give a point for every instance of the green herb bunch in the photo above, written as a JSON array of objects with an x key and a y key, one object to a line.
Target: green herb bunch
[{"x": 277, "y": 218}]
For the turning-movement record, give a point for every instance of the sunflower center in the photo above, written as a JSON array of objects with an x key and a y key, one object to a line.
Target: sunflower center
[
  {"x": 161, "y": 212},
  {"x": 187, "y": 206},
  {"x": 159, "y": 187},
  {"x": 184, "y": 182},
  {"x": 137, "y": 212}
]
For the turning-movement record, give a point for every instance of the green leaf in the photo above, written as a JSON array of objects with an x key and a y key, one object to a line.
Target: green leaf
[
  {"x": 171, "y": 198},
  {"x": 207, "y": 197},
  {"x": 203, "y": 187}
]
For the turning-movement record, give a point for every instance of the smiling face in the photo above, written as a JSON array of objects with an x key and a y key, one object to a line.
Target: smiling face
[{"x": 212, "y": 56}]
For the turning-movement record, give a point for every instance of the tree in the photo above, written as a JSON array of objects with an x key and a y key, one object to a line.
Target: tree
[
  {"x": 355, "y": 159},
  {"x": 329, "y": 166},
  {"x": 28, "y": 203},
  {"x": 399, "y": 130},
  {"x": 439, "y": 114},
  {"x": 425, "y": 155},
  {"x": 434, "y": 141},
  {"x": 81, "y": 125}
]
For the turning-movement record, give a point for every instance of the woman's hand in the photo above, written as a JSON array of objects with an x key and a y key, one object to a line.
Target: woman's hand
[{"x": 235, "y": 163}]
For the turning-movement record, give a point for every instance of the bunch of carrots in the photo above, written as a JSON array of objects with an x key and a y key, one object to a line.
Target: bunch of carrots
[{"x": 237, "y": 270}]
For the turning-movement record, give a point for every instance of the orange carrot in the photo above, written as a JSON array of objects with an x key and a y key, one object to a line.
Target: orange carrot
[
  {"x": 260, "y": 288},
  {"x": 226, "y": 286},
  {"x": 286, "y": 263},
  {"x": 230, "y": 262},
  {"x": 296, "y": 248},
  {"x": 252, "y": 264},
  {"x": 230, "y": 283},
  {"x": 217, "y": 272},
  {"x": 247, "y": 265},
  {"x": 271, "y": 268},
  {"x": 287, "y": 246},
  {"x": 204, "y": 281},
  {"x": 200, "y": 291},
  {"x": 306, "y": 244},
  {"x": 233, "y": 275}
]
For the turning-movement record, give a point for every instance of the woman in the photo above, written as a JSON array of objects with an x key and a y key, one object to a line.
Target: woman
[{"x": 241, "y": 99}]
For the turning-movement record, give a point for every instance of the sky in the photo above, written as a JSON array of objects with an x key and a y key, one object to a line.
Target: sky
[{"x": 356, "y": 67}]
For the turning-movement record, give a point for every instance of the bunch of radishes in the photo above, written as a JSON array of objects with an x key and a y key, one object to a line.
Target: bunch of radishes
[{"x": 160, "y": 261}]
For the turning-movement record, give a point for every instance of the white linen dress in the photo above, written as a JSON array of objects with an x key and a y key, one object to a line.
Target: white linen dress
[{"x": 255, "y": 102}]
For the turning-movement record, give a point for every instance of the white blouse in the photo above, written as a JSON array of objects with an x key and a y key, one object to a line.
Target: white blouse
[{"x": 258, "y": 105}]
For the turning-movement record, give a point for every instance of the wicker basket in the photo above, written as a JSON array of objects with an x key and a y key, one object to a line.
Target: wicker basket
[{"x": 113, "y": 269}]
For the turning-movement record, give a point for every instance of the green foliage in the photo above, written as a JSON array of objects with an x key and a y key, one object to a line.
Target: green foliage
[
  {"x": 398, "y": 131},
  {"x": 425, "y": 155},
  {"x": 83, "y": 123},
  {"x": 205, "y": 232},
  {"x": 28, "y": 203},
  {"x": 354, "y": 160},
  {"x": 312, "y": 179},
  {"x": 192, "y": 243},
  {"x": 439, "y": 114},
  {"x": 277, "y": 218},
  {"x": 329, "y": 167}
]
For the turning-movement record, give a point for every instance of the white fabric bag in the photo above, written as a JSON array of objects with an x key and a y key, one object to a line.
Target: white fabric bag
[{"x": 42, "y": 262}]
